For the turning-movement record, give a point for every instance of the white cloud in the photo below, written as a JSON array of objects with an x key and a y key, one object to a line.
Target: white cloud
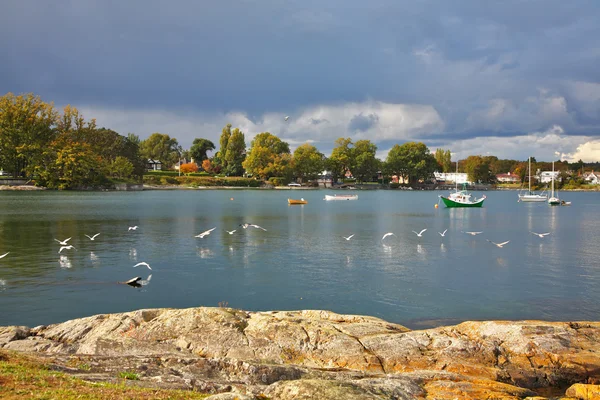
[{"x": 587, "y": 152}]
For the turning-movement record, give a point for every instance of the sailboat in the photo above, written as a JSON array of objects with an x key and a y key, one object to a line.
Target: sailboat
[
  {"x": 531, "y": 196},
  {"x": 553, "y": 200},
  {"x": 461, "y": 198}
]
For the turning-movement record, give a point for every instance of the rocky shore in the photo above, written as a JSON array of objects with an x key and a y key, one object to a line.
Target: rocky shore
[{"x": 322, "y": 355}]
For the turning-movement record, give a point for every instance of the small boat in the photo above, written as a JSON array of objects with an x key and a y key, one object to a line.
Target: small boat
[
  {"x": 462, "y": 198},
  {"x": 531, "y": 196},
  {"x": 294, "y": 201},
  {"x": 341, "y": 197},
  {"x": 553, "y": 200},
  {"x": 565, "y": 203}
]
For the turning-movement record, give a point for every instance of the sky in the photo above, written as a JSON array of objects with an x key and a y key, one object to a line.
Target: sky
[{"x": 513, "y": 78}]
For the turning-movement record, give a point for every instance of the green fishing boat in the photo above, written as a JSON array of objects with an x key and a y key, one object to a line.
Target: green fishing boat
[{"x": 462, "y": 198}]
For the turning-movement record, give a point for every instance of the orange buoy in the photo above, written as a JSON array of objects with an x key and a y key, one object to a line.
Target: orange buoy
[
  {"x": 436, "y": 206},
  {"x": 231, "y": 198}
]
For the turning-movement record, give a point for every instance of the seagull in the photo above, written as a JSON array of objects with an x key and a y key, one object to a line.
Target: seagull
[
  {"x": 92, "y": 237},
  {"x": 205, "y": 233},
  {"x": 472, "y": 233},
  {"x": 230, "y": 232},
  {"x": 64, "y": 242},
  {"x": 69, "y": 247},
  {"x": 498, "y": 244},
  {"x": 132, "y": 228},
  {"x": 386, "y": 235},
  {"x": 4, "y": 255},
  {"x": 442, "y": 234},
  {"x": 349, "y": 237},
  {"x": 142, "y": 263},
  {"x": 420, "y": 234},
  {"x": 245, "y": 226},
  {"x": 540, "y": 234},
  {"x": 133, "y": 282},
  {"x": 286, "y": 117}
]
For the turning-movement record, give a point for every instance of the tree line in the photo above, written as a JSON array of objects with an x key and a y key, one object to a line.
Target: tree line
[{"x": 63, "y": 150}]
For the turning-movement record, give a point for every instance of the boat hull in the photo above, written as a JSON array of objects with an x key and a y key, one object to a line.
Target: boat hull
[
  {"x": 455, "y": 204},
  {"x": 297, "y": 202},
  {"x": 554, "y": 201},
  {"x": 343, "y": 197},
  {"x": 535, "y": 198}
]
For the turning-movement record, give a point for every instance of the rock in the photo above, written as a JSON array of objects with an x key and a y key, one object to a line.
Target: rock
[
  {"x": 230, "y": 396},
  {"x": 584, "y": 392},
  {"x": 316, "y": 354}
]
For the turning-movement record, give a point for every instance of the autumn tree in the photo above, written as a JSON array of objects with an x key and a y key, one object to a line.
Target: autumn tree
[
  {"x": 444, "y": 159},
  {"x": 268, "y": 156},
  {"x": 308, "y": 162},
  {"x": 478, "y": 169},
  {"x": 363, "y": 163},
  {"x": 235, "y": 154},
  {"x": 412, "y": 160},
  {"x": 340, "y": 160},
  {"x": 188, "y": 168},
  {"x": 207, "y": 166},
  {"x": 26, "y": 128},
  {"x": 199, "y": 149},
  {"x": 121, "y": 167},
  {"x": 162, "y": 147}
]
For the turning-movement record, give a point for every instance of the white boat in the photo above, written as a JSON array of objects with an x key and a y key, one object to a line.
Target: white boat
[
  {"x": 531, "y": 196},
  {"x": 553, "y": 200},
  {"x": 341, "y": 197}
]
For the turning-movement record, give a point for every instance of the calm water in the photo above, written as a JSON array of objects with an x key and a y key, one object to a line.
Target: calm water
[{"x": 302, "y": 261}]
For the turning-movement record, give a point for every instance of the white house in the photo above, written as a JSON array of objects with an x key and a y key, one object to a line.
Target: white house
[
  {"x": 592, "y": 178},
  {"x": 454, "y": 177},
  {"x": 153, "y": 165},
  {"x": 546, "y": 176},
  {"x": 508, "y": 178}
]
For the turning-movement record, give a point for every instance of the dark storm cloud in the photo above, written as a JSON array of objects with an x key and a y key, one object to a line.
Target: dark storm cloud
[{"x": 263, "y": 56}]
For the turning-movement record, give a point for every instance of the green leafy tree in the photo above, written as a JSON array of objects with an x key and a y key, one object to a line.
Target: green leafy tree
[
  {"x": 412, "y": 161},
  {"x": 26, "y": 129},
  {"x": 268, "y": 156},
  {"x": 478, "y": 169},
  {"x": 308, "y": 162},
  {"x": 69, "y": 165},
  {"x": 219, "y": 161},
  {"x": 444, "y": 159},
  {"x": 199, "y": 149},
  {"x": 340, "y": 160},
  {"x": 236, "y": 153},
  {"x": 162, "y": 147},
  {"x": 121, "y": 167},
  {"x": 363, "y": 163}
]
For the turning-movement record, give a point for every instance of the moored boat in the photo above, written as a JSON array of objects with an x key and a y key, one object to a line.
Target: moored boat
[
  {"x": 462, "y": 198},
  {"x": 341, "y": 197},
  {"x": 554, "y": 200},
  {"x": 295, "y": 201},
  {"x": 532, "y": 196}
]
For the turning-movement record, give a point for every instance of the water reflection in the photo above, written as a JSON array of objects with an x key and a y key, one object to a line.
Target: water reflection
[
  {"x": 2, "y": 285},
  {"x": 133, "y": 254},
  {"x": 443, "y": 248},
  {"x": 64, "y": 262},
  {"x": 421, "y": 249},
  {"x": 204, "y": 252},
  {"x": 94, "y": 259}
]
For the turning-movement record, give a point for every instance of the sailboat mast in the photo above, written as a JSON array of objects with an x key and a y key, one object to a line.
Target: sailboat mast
[
  {"x": 456, "y": 178},
  {"x": 552, "y": 178},
  {"x": 529, "y": 175}
]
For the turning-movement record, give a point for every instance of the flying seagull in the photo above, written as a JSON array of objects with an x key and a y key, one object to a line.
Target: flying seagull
[
  {"x": 472, "y": 233},
  {"x": 498, "y": 244},
  {"x": 142, "y": 263},
  {"x": 245, "y": 226},
  {"x": 69, "y": 247},
  {"x": 230, "y": 232},
  {"x": 386, "y": 235},
  {"x": 420, "y": 234},
  {"x": 540, "y": 234},
  {"x": 205, "y": 233},
  {"x": 349, "y": 237},
  {"x": 287, "y": 117},
  {"x": 4, "y": 255},
  {"x": 63, "y": 242},
  {"x": 92, "y": 237},
  {"x": 132, "y": 228},
  {"x": 442, "y": 234}
]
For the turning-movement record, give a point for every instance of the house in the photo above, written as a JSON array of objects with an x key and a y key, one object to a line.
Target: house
[
  {"x": 325, "y": 179},
  {"x": 591, "y": 178},
  {"x": 153, "y": 165},
  {"x": 508, "y": 178},
  {"x": 546, "y": 176},
  {"x": 454, "y": 177}
]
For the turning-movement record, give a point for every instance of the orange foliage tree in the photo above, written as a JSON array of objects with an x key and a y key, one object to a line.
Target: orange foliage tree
[
  {"x": 188, "y": 168},
  {"x": 207, "y": 165}
]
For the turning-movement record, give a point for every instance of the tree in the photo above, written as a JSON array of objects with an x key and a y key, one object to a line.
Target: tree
[
  {"x": 412, "y": 161},
  {"x": 341, "y": 158},
  {"x": 160, "y": 147},
  {"x": 478, "y": 170},
  {"x": 199, "y": 149},
  {"x": 444, "y": 159},
  {"x": 235, "y": 154},
  {"x": 268, "y": 156},
  {"x": 188, "y": 168},
  {"x": 207, "y": 166},
  {"x": 26, "y": 129},
  {"x": 121, "y": 167},
  {"x": 363, "y": 164},
  {"x": 219, "y": 159},
  {"x": 308, "y": 162}
]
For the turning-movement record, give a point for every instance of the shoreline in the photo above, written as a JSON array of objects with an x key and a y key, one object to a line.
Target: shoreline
[{"x": 319, "y": 354}]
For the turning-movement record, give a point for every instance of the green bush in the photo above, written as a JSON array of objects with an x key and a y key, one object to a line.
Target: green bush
[
  {"x": 169, "y": 180},
  {"x": 161, "y": 173},
  {"x": 277, "y": 181},
  {"x": 394, "y": 185}
]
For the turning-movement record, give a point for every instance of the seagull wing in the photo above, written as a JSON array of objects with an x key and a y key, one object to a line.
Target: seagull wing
[
  {"x": 420, "y": 233},
  {"x": 502, "y": 244},
  {"x": 386, "y": 235},
  {"x": 89, "y": 237},
  {"x": 66, "y": 240},
  {"x": 142, "y": 263},
  {"x": 257, "y": 227},
  {"x": 350, "y": 237},
  {"x": 544, "y": 234},
  {"x": 62, "y": 248},
  {"x": 443, "y": 233},
  {"x": 4, "y": 255},
  {"x": 94, "y": 237}
]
